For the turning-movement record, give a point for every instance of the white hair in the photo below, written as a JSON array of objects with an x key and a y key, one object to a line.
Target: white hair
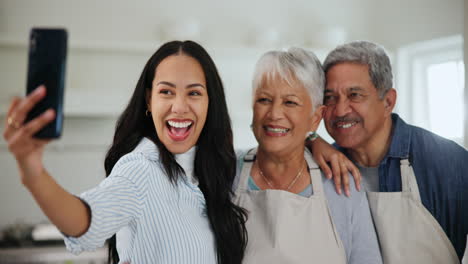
[{"x": 295, "y": 64}]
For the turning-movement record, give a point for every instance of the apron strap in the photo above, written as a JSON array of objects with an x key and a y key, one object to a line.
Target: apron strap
[
  {"x": 248, "y": 161},
  {"x": 408, "y": 180},
  {"x": 314, "y": 170},
  {"x": 315, "y": 173}
]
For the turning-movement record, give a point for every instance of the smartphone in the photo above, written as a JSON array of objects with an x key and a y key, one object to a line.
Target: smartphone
[{"x": 46, "y": 66}]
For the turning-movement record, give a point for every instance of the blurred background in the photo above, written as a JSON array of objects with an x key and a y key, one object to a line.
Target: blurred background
[{"x": 110, "y": 41}]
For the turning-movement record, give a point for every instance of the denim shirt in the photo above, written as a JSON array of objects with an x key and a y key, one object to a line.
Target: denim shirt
[{"x": 441, "y": 169}]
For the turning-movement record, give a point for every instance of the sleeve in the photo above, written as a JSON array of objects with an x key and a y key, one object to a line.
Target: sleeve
[
  {"x": 115, "y": 202},
  {"x": 365, "y": 246}
]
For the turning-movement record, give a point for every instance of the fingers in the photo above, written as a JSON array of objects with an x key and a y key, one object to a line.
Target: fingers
[
  {"x": 356, "y": 174},
  {"x": 325, "y": 168},
  {"x": 13, "y": 105},
  {"x": 336, "y": 173},
  {"x": 20, "y": 112},
  {"x": 344, "y": 178},
  {"x": 38, "y": 123},
  {"x": 19, "y": 109},
  {"x": 22, "y": 142},
  {"x": 8, "y": 127}
]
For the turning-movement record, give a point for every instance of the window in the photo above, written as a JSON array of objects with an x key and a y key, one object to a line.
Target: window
[
  {"x": 445, "y": 92},
  {"x": 430, "y": 83}
]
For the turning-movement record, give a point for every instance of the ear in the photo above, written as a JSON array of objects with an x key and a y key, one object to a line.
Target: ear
[
  {"x": 148, "y": 99},
  {"x": 317, "y": 117},
  {"x": 390, "y": 100}
]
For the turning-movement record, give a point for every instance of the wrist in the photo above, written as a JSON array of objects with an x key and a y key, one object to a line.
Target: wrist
[
  {"x": 311, "y": 136},
  {"x": 31, "y": 179}
]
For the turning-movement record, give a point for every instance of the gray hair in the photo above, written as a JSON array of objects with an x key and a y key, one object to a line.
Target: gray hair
[
  {"x": 291, "y": 65},
  {"x": 367, "y": 53}
]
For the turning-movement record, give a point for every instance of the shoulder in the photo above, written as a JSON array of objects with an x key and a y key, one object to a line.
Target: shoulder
[
  {"x": 431, "y": 140},
  {"x": 143, "y": 160},
  {"x": 425, "y": 147},
  {"x": 240, "y": 154},
  {"x": 431, "y": 147},
  {"x": 342, "y": 201}
]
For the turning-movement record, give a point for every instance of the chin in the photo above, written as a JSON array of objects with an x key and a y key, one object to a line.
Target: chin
[
  {"x": 271, "y": 148},
  {"x": 346, "y": 142},
  {"x": 178, "y": 147}
]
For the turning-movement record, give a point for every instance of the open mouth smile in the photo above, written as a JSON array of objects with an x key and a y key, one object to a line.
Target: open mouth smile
[
  {"x": 276, "y": 131},
  {"x": 179, "y": 129},
  {"x": 345, "y": 124}
]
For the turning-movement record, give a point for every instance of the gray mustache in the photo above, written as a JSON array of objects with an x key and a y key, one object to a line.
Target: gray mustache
[{"x": 345, "y": 119}]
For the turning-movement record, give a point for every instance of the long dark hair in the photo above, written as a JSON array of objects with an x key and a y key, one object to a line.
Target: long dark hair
[{"x": 215, "y": 160}]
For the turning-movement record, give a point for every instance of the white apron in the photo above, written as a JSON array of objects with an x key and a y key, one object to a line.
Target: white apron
[
  {"x": 284, "y": 227},
  {"x": 407, "y": 232}
]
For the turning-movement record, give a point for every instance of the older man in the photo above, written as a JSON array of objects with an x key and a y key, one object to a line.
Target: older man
[{"x": 417, "y": 182}]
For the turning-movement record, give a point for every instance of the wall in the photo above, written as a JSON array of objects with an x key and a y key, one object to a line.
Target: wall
[
  {"x": 111, "y": 40},
  {"x": 465, "y": 51}
]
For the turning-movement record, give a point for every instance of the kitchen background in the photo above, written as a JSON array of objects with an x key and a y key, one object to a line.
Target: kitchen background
[{"x": 110, "y": 41}]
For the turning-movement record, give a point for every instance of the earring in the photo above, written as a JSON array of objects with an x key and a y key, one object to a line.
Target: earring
[
  {"x": 147, "y": 113},
  {"x": 251, "y": 126}
]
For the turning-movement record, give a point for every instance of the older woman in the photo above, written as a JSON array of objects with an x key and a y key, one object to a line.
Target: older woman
[{"x": 295, "y": 216}]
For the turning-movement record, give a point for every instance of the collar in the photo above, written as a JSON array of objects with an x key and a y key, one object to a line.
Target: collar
[
  {"x": 401, "y": 138},
  {"x": 185, "y": 160}
]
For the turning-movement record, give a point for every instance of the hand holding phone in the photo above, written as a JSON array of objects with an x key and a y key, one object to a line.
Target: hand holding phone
[{"x": 46, "y": 66}]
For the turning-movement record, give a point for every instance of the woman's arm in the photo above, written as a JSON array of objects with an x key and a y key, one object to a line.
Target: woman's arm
[
  {"x": 71, "y": 215},
  {"x": 68, "y": 213},
  {"x": 325, "y": 153}
]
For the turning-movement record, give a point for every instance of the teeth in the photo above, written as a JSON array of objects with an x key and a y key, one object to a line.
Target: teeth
[
  {"x": 347, "y": 125},
  {"x": 179, "y": 124},
  {"x": 277, "y": 130}
]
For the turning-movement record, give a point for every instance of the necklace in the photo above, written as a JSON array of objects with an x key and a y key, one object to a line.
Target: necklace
[{"x": 289, "y": 186}]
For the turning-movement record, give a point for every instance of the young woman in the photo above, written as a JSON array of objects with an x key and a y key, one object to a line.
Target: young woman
[{"x": 169, "y": 170}]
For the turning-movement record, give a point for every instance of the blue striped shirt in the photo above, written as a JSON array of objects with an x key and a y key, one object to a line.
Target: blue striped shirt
[{"x": 156, "y": 221}]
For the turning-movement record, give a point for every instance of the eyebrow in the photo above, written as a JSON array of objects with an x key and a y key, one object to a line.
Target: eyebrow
[
  {"x": 195, "y": 85},
  {"x": 355, "y": 88},
  {"x": 262, "y": 92},
  {"x": 293, "y": 95},
  {"x": 192, "y": 85},
  {"x": 352, "y": 88}
]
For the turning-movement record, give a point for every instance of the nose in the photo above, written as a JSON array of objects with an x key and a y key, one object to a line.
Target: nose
[
  {"x": 276, "y": 111},
  {"x": 342, "y": 107},
  {"x": 180, "y": 105}
]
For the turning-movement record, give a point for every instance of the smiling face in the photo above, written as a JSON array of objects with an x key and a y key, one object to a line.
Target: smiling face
[
  {"x": 178, "y": 102},
  {"x": 282, "y": 116},
  {"x": 354, "y": 114}
]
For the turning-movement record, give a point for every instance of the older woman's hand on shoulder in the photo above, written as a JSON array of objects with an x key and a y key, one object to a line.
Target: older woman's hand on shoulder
[{"x": 334, "y": 164}]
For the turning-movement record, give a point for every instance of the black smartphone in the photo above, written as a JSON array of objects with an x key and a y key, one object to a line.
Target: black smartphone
[{"x": 46, "y": 66}]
